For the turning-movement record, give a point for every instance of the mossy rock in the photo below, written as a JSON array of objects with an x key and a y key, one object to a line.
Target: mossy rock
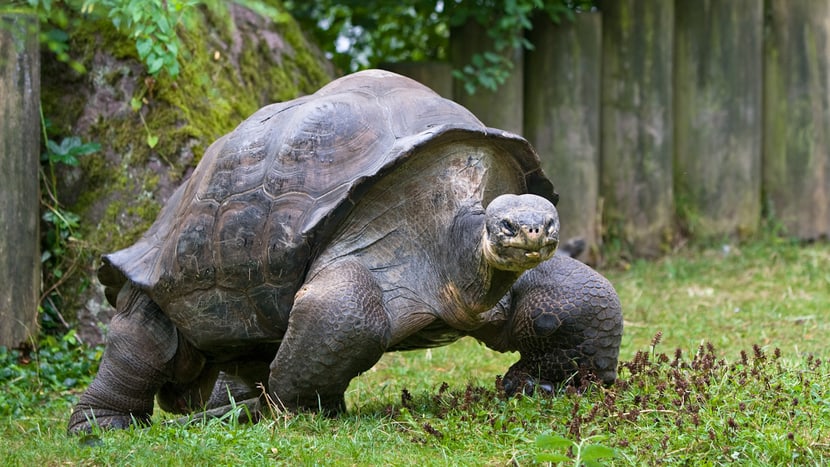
[{"x": 234, "y": 60}]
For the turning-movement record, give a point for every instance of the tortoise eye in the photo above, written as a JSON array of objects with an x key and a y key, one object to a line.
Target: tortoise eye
[
  {"x": 507, "y": 227},
  {"x": 551, "y": 227}
]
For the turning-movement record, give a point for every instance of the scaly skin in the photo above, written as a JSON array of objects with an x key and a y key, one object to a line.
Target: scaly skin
[
  {"x": 563, "y": 317},
  {"x": 141, "y": 355}
]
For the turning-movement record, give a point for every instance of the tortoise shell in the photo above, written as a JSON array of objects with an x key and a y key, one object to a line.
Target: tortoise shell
[{"x": 234, "y": 242}]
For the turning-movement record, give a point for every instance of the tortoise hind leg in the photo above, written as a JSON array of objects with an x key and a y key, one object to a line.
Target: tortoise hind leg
[
  {"x": 565, "y": 318},
  {"x": 338, "y": 329},
  {"x": 143, "y": 352},
  {"x": 217, "y": 391},
  {"x": 238, "y": 382}
]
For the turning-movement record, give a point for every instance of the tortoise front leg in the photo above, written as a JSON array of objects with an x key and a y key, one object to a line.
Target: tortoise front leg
[
  {"x": 338, "y": 328},
  {"x": 143, "y": 352},
  {"x": 563, "y": 317}
]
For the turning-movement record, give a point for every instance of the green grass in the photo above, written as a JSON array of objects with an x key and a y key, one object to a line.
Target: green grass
[
  {"x": 775, "y": 295},
  {"x": 724, "y": 361}
]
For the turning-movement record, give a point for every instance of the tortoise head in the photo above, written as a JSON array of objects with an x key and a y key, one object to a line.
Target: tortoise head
[{"x": 521, "y": 231}]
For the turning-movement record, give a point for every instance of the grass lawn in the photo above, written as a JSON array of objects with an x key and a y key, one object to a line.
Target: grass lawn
[{"x": 724, "y": 361}]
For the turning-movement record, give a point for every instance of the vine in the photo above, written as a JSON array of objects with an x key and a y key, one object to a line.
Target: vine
[
  {"x": 359, "y": 34},
  {"x": 152, "y": 23},
  {"x": 60, "y": 224}
]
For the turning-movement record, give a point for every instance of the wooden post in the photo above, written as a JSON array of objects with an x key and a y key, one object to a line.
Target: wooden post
[
  {"x": 636, "y": 131},
  {"x": 434, "y": 75},
  {"x": 718, "y": 113},
  {"x": 562, "y": 102},
  {"x": 797, "y": 117},
  {"x": 19, "y": 159},
  {"x": 502, "y": 108}
]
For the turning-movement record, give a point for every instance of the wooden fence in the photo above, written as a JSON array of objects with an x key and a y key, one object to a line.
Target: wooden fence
[
  {"x": 20, "y": 160},
  {"x": 658, "y": 119}
]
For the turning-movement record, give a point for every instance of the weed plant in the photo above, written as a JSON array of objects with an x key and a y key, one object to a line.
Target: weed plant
[{"x": 39, "y": 378}]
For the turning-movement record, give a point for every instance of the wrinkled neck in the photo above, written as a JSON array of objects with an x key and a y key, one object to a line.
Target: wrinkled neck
[{"x": 473, "y": 285}]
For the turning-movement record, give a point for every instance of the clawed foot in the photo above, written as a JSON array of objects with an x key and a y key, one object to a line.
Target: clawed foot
[
  {"x": 522, "y": 383},
  {"x": 84, "y": 419},
  {"x": 518, "y": 381},
  {"x": 548, "y": 374},
  {"x": 246, "y": 411}
]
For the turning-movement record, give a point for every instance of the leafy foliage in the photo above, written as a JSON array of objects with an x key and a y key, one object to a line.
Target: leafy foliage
[
  {"x": 359, "y": 34},
  {"x": 505, "y": 23},
  {"x": 34, "y": 377},
  {"x": 68, "y": 151},
  {"x": 556, "y": 447},
  {"x": 60, "y": 224},
  {"x": 152, "y": 23}
]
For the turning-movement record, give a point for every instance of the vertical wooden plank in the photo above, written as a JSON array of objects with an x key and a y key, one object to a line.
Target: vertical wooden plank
[
  {"x": 797, "y": 116},
  {"x": 636, "y": 129},
  {"x": 502, "y": 108},
  {"x": 718, "y": 115},
  {"x": 19, "y": 159},
  {"x": 562, "y": 102},
  {"x": 434, "y": 75}
]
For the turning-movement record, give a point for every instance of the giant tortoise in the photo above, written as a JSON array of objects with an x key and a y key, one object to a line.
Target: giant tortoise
[{"x": 370, "y": 216}]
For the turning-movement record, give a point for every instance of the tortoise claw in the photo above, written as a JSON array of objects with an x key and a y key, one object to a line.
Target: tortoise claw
[
  {"x": 84, "y": 420},
  {"x": 522, "y": 383}
]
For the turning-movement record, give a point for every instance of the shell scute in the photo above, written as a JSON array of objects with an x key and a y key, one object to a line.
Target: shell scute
[
  {"x": 194, "y": 262},
  {"x": 238, "y": 242}
]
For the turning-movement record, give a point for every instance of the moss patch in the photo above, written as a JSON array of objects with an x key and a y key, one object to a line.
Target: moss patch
[{"x": 233, "y": 61}]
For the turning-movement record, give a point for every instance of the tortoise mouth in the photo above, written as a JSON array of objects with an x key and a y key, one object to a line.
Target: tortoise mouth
[{"x": 517, "y": 258}]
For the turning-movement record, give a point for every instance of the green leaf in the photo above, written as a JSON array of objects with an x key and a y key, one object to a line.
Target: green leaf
[
  {"x": 163, "y": 25},
  {"x": 152, "y": 141},
  {"x": 551, "y": 457},
  {"x": 488, "y": 82},
  {"x": 138, "y": 15},
  {"x": 154, "y": 66},
  {"x": 470, "y": 87},
  {"x": 143, "y": 47},
  {"x": 587, "y": 463},
  {"x": 77, "y": 66},
  {"x": 52, "y": 147},
  {"x": 172, "y": 47},
  {"x": 57, "y": 35},
  {"x": 136, "y": 104},
  {"x": 68, "y": 144},
  {"x": 83, "y": 149},
  {"x": 159, "y": 49},
  {"x": 493, "y": 57},
  {"x": 593, "y": 452},
  {"x": 173, "y": 68},
  {"x": 549, "y": 441}
]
